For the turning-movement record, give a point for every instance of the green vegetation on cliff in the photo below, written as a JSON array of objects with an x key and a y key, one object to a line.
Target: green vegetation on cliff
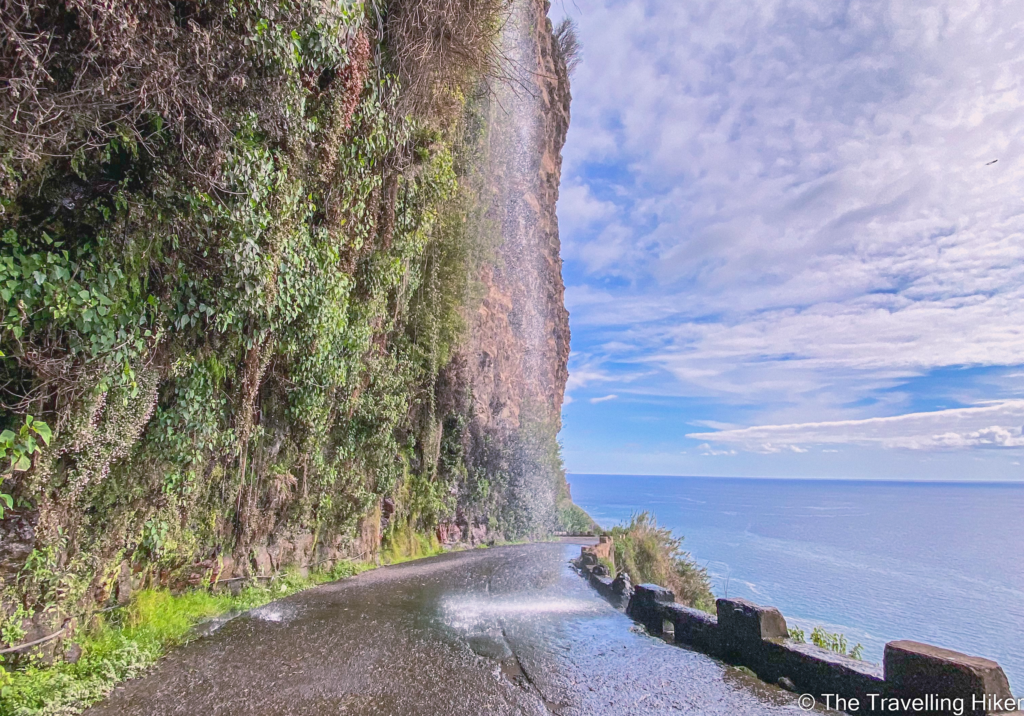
[{"x": 239, "y": 240}]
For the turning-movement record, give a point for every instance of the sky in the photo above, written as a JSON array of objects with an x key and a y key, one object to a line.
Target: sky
[{"x": 793, "y": 239}]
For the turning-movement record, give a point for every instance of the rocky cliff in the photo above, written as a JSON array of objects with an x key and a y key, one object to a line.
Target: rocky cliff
[{"x": 519, "y": 344}]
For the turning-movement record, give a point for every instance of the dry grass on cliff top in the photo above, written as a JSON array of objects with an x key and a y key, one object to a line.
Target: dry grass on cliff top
[
  {"x": 650, "y": 553},
  {"x": 440, "y": 48}
]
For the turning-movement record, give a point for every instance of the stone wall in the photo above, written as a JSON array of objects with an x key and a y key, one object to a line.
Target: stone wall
[{"x": 921, "y": 678}]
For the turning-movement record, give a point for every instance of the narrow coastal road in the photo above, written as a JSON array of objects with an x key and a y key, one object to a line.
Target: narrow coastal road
[{"x": 508, "y": 630}]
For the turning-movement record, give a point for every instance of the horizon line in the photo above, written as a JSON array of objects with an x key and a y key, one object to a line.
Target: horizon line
[{"x": 919, "y": 481}]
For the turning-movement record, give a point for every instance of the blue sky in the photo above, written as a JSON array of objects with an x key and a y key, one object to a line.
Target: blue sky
[{"x": 788, "y": 251}]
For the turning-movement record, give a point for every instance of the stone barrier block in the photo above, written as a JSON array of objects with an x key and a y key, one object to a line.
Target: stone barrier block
[
  {"x": 819, "y": 671},
  {"x": 693, "y": 627},
  {"x": 603, "y": 549},
  {"x": 603, "y": 585},
  {"x": 743, "y": 625},
  {"x": 915, "y": 670},
  {"x": 654, "y": 593},
  {"x": 745, "y": 621},
  {"x": 643, "y": 605},
  {"x": 622, "y": 590}
]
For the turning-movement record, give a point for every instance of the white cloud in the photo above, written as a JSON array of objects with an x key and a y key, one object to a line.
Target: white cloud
[
  {"x": 987, "y": 426},
  {"x": 713, "y": 424},
  {"x": 709, "y": 451},
  {"x": 577, "y": 207},
  {"x": 603, "y": 399},
  {"x": 790, "y": 202},
  {"x": 583, "y": 373}
]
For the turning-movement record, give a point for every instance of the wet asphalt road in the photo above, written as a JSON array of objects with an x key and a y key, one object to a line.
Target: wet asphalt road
[{"x": 508, "y": 630}]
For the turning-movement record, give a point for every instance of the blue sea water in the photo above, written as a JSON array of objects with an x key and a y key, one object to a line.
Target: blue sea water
[{"x": 941, "y": 563}]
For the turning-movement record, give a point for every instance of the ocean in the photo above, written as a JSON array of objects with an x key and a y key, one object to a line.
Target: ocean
[{"x": 941, "y": 563}]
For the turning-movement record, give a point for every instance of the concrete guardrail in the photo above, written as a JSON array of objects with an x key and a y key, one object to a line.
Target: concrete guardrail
[{"x": 914, "y": 678}]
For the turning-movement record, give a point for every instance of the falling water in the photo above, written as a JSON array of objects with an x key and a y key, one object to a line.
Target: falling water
[
  {"x": 521, "y": 166},
  {"x": 518, "y": 146}
]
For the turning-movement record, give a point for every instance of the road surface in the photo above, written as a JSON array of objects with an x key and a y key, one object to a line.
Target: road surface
[{"x": 506, "y": 630}]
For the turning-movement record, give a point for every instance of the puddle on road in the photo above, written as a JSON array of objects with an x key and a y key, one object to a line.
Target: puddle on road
[
  {"x": 490, "y": 644},
  {"x": 468, "y": 613},
  {"x": 209, "y": 626},
  {"x": 275, "y": 612}
]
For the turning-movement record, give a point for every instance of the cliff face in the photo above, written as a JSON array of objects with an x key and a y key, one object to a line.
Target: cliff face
[
  {"x": 257, "y": 361},
  {"x": 519, "y": 345}
]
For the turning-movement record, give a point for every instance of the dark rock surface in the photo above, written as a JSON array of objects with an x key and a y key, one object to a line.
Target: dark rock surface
[
  {"x": 654, "y": 593},
  {"x": 17, "y": 540},
  {"x": 622, "y": 584},
  {"x": 643, "y": 605},
  {"x": 510, "y": 630}
]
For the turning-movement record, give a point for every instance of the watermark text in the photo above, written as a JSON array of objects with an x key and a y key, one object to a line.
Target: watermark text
[{"x": 930, "y": 703}]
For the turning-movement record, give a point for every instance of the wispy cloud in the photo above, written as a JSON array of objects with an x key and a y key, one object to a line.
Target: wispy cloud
[
  {"x": 988, "y": 426},
  {"x": 713, "y": 424},
  {"x": 709, "y": 451},
  {"x": 584, "y": 372},
  {"x": 603, "y": 399}
]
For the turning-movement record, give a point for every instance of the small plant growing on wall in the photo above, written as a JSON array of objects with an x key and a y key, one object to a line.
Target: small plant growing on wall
[
  {"x": 18, "y": 448},
  {"x": 833, "y": 641}
]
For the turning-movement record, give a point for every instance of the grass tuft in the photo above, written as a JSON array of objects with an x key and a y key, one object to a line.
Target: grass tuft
[{"x": 404, "y": 543}]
